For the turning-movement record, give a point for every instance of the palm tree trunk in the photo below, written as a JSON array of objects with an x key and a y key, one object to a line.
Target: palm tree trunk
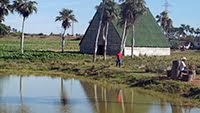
[
  {"x": 123, "y": 37},
  {"x": 106, "y": 40},
  {"x": 133, "y": 40},
  {"x": 124, "y": 44},
  {"x": 22, "y": 37},
  {"x": 96, "y": 44},
  {"x": 97, "y": 37},
  {"x": 63, "y": 41}
]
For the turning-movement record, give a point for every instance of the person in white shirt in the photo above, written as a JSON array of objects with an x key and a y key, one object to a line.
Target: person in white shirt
[{"x": 183, "y": 68}]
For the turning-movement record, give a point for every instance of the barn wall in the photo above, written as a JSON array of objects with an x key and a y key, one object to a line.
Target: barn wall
[
  {"x": 114, "y": 41},
  {"x": 197, "y": 43},
  {"x": 147, "y": 51},
  {"x": 87, "y": 44}
]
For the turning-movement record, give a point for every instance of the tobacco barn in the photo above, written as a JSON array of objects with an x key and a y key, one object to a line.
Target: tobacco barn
[{"x": 149, "y": 37}]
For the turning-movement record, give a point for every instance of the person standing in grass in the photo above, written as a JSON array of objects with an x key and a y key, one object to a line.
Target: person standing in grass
[
  {"x": 119, "y": 59},
  {"x": 183, "y": 68}
]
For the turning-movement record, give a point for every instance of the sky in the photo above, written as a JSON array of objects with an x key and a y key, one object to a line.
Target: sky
[{"x": 181, "y": 12}]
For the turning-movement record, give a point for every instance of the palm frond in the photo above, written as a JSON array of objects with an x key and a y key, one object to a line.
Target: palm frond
[
  {"x": 24, "y": 7},
  {"x": 66, "y": 17},
  {"x": 4, "y": 9}
]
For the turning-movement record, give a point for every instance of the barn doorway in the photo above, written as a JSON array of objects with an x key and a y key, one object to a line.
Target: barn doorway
[{"x": 100, "y": 50}]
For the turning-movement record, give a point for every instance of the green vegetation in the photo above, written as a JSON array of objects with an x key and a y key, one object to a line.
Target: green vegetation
[
  {"x": 43, "y": 56},
  {"x": 3, "y": 29}
]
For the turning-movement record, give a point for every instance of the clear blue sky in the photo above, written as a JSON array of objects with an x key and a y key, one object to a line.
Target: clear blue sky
[{"x": 181, "y": 11}]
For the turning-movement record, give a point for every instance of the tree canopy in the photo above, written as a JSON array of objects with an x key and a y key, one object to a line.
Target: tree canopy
[
  {"x": 24, "y": 7},
  {"x": 4, "y": 9},
  {"x": 66, "y": 16}
]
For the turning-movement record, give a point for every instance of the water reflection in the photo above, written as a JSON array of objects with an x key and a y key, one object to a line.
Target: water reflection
[
  {"x": 96, "y": 98},
  {"x": 181, "y": 109},
  {"x": 56, "y": 95},
  {"x": 22, "y": 108},
  {"x": 63, "y": 98},
  {"x": 114, "y": 100}
]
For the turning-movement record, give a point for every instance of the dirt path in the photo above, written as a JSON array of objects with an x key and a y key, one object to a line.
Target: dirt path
[{"x": 196, "y": 81}]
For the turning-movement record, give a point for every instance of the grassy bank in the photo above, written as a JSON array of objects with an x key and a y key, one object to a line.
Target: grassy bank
[{"x": 42, "y": 55}]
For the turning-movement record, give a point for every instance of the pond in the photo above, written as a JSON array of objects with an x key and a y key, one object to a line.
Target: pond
[{"x": 31, "y": 94}]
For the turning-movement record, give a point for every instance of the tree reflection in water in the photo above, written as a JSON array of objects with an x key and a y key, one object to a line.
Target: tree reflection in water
[
  {"x": 3, "y": 79},
  {"x": 111, "y": 100},
  {"x": 22, "y": 107},
  {"x": 96, "y": 98},
  {"x": 121, "y": 100},
  {"x": 179, "y": 107},
  {"x": 132, "y": 100},
  {"x": 105, "y": 100},
  {"x": 63, "y": 97}
]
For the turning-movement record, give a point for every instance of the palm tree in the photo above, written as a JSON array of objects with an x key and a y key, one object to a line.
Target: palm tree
[
  {"x": 191, "y": 31},
  {"x": 169, "y": 25},
  {"x": 66, "y": 16},
  {"x": 101, "y": 11},
  {"x": 197, "y": 31},
  {"x": 125, "y": 16},
  {"x": 4, "y": 9},
  {"x": 165, "y": 22},
  {"x": 162, "y": 19},
  {"x": 130, "y": 11},
  {"x": 182, "y": 30},
  {"x": 24, "y": 8},
  {"x": 187, "y": 29},
  {"x": 109, "y": 14}
]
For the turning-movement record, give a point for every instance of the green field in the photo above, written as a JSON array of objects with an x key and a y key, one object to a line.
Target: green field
[{"x": 43, "y": 56}]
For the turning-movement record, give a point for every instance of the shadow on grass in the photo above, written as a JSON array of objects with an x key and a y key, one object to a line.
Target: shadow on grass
[{"x": 148, "y": 81}]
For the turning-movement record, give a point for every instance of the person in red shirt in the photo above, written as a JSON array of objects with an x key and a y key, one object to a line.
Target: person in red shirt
[{"x": 119, "y": 59}]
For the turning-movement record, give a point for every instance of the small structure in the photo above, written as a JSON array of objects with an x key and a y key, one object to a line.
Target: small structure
[
  {"x": 197, "y": 42},
  {"x": 149, "y": 37}
]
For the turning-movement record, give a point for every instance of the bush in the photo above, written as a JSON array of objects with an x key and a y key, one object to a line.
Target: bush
[{"x": 194, "y": 93}]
